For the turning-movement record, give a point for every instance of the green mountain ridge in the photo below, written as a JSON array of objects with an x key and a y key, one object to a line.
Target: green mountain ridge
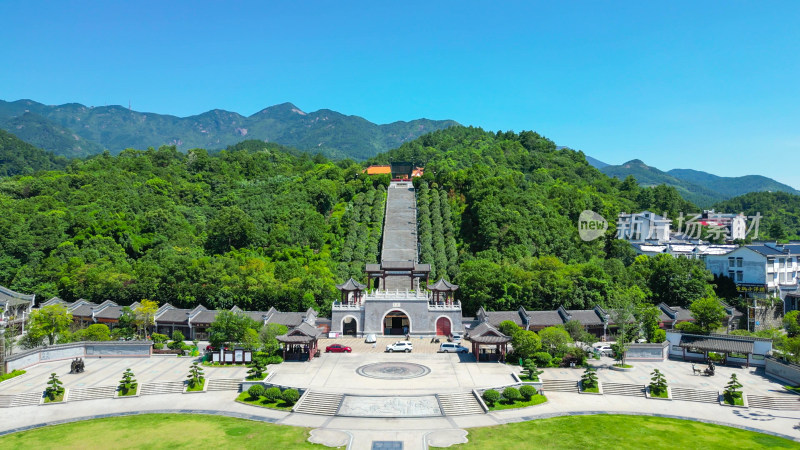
[
  {"x": 701, "y": 188},
  {"x": 20, "y": 158},
  {"x": 116, "y": 128}
]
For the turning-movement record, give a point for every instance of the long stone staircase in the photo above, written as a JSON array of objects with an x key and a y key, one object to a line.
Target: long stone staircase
[
  {"x": 319, "y": 403},
  {"x": 632, "y": 390},
  {"x": 224, "y": 384},
  {"x": 91, "y": 393},
  {"x": 560, "y": 386},
  {"x": 459, "y": 404},
  {"x": 786, "y": 402},
  {"x": 162, "y": 387},
  {"x": 694, "y": 395}
]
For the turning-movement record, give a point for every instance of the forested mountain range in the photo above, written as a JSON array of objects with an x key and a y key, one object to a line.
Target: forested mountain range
[
  {"x": 19, "y": 158},
  {"x": 260, "y": 225},
  {"x": 76, "y": 130},
  {"x": 701, "y": 188}
]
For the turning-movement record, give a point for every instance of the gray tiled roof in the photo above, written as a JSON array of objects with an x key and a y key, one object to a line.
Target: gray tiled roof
[
  {"x": 496, "y": 317},
  {"x": 205, "y": 317},
  {"x": 84, "y": 310},
  {"x": 112, "y": 312},
  {"x": 9, "y": 296},
  {"x": 716, "y": 343},
  {"x": 545, "y": 318},
  {"x": 290, "y": 319},
  {"x": 791, "y": 249},
  {"x": 585, "y": 316},
  {"x": 175, "y": 315},
  {"x": 443, "y": 285},
  {"x": 351, "y": 285},
  {"x": 485, "y": 333}
]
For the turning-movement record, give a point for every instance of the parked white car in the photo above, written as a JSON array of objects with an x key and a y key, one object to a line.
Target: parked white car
[
  {"x": 452, "y": 347},
  {"x": 455, "y": 338},
  {"x": 371, "y": 339},
  {"x": 400, "y": 346}
]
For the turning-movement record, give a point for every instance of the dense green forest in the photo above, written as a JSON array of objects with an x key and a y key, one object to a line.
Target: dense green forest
[
  {"x": 780, "y": 212},
  {"x": 260, "y": 225},
  {"x": 19, "y": 158}
]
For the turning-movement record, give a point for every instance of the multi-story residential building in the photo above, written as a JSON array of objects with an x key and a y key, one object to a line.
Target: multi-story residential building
[{"x": 762, "y": 271}]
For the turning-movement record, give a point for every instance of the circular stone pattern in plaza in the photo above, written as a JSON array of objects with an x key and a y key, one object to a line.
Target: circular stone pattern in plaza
[{"x": 393, "y": 370}]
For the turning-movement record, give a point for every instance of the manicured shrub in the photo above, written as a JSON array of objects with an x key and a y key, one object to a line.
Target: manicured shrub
[
  {"x": 555, "y": 362},
  {"x": 274, "y": 360},
  {"x": 159, "y": 338},
  {"x": 54, "y": 387},
  {"x": 589, "y": 378},
  {"x": 490, "y": 396},
  {"x": 290, "y": 396},
  {"x": 527, "y": 392},
  {"x": 256, "y": 391},
  {"x": 272, "y": 394},
  {"x": 158, "y": 345},
  {"x": 511, "y": 394},
  {"x": 542, "y": 359}
]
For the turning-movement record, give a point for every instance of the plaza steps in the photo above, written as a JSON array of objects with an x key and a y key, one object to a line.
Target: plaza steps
[
  {"x": 694, "y": 395},
  {"x": 91, "y": 393},
  {"x": 787, "y": 403},
  {"x": 319, "y": 403},
  {"x": 561, "y": 386},
  {"x": 25, "y": 399},
  {"x": 164, "y": 387},
  {"x": 633, "y": 390},
  {"x": 224, "y": 384},
  {"x": 459, "y": 404}
]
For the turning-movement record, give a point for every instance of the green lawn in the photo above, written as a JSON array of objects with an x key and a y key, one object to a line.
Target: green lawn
[
  {"x": 162, "y": 431},
  {"x": 659, "y": 394},
  {"x": 535, "y": 400},
  {"x": 197, "y": 387},
  {"x": 131, "y": 391},
  {"x": 11, "y": 375},
  {"x": 617, "y": 431},
  {"x": 56, "y": 399}
]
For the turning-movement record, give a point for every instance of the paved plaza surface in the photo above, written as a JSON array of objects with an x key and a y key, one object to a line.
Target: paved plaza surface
[
  {"x": 678, "y": 374},
  {"x": 448, "y": 373},
  {"x": 108, "y": 371}
]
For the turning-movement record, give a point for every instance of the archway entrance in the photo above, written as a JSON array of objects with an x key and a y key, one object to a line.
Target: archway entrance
[
  {"x": 396, "y": 323},
  {"x": 443, "y": 326},
  {"x": 349, "y": 326}
]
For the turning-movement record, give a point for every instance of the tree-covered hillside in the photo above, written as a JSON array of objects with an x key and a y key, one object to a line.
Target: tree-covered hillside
[
  {"x": 514, "y": 200},
  {"x": 780, "y": 212},
  {"x": 260, "y": 225},
  {"x": 18, "y": 157}
]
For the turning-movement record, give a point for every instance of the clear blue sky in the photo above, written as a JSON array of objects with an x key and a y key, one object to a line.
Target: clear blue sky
[{"x": 712, "y": 86}]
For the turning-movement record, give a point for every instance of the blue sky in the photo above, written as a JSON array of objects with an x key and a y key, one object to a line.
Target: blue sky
[{"x": 711, "y": 86}]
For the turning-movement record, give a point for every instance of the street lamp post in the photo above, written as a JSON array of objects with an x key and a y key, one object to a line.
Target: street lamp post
[{"x": 605, "y": 327}]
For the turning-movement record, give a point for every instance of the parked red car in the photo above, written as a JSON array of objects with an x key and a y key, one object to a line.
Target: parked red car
[{"x": 337, "y": 348}]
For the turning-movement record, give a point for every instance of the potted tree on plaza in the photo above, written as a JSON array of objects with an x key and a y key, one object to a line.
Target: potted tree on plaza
[
  {"x": 658, "y": 385},
  {"x": 589, "y": 381},
  {"x": 196, "y": 380},
  {"x": 732, "y": 395},
  {"x": 55, "y": 390},
  {"x": 128, "y": 385}
]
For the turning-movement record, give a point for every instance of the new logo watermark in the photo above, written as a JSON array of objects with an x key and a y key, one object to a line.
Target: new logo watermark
[{"x": 591, "y": 225}]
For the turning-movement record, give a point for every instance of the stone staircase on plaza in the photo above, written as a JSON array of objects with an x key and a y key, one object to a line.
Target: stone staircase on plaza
[
  {"x": 90, "y": 393},
  {"x": 560, "y": 386},
  {"x": 786, "y": 402},
  {"x": 632, "y": 390},
  {"x": 224, "y": 384},
  {"x": 694, "y": 395},
  {"x": 162, "y": 387},
  {"x": 319, "y": 403},
  {"x": 24, "y": 399},
  {"x": 459, "y": 404}
]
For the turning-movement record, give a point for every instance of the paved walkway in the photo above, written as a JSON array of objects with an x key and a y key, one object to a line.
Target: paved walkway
[{"x": 359, "y": 433}]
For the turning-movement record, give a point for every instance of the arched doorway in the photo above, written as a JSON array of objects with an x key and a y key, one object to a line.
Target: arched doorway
[
  {"x": 349, "y": 326},
  {"x": 396, "y": 323},
  {"x": 443, "y": 326}
]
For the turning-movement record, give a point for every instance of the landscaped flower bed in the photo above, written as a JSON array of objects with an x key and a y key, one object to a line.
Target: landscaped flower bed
[
  {"x": 512, "y": 398},
  {"x": 271, "y": 398}
]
